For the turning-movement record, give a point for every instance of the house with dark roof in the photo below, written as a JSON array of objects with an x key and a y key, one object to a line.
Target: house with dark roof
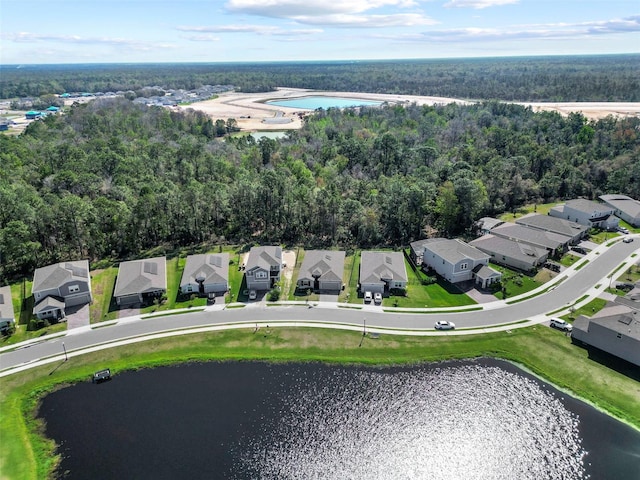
[
  {"x": 206, "y": 273},
  {"x": 263, "y": 267},
  {"x": 553, "y": 242},
  {"x": 321, "y": 271},
  {"x": 615, "y": 329},
  {"x": 626, "y": 208},
  {"x": 510, "y": 253},
  {"x": 141, "y": 281},
  {"x": 457, "y": 261},
  {"x": 7, "y": 314},
  {"x": 59, "y": 286},
  {"x": 586, "y": 212},
  {"x": 380, "y": 272},
  {"x": 547, "y": 223}
]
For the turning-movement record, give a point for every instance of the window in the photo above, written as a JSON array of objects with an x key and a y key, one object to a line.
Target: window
[
  {"x": 74, "y": 288},
  {"x": 261, "y": 274},
  {"x": 189, "y": 288},
  {"x": 619, "y": 335},
  {"x": 464, "y": 266}
]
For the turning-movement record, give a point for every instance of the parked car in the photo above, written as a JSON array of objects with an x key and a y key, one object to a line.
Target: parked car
[
  {"x": 561, "y": 324},
  {"x": 445, "y": 325},
  {"x": 367, "y": 297},
  {"x": 377, "y": 298},
  {"x": 623, "y": 230},
  {"x": 579, "y": 250},
  {"x": 628, "y": 239},
  {"x": 253, "y": 295}
]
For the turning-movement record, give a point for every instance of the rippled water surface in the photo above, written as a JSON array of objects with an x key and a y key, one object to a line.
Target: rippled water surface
[
  {"x": 313, "y": 103},
  {"x": 462, "y": 420}
]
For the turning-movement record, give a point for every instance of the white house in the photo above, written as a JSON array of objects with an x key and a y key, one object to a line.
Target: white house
[
  {"x": 455, "y": 261},
  {"x": 587, "y": 212},
  {"x": 7, "y": 315},
  {"x": 205, "y": 273},
  {"x": 624, "y": 207}
]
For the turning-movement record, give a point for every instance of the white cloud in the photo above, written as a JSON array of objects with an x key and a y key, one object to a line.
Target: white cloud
[
  {"x": 205, "y": 31},
  {"x": 292, "y": 8},
  {"x": 367, "y": 21},
  {"x": 28, "y": 37},
  {"x": 529, "y": 32},
  {"x": 478, "y": 4}
]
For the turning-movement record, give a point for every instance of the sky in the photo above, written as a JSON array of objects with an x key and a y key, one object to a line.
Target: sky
[{"x": 116, "y": 31}]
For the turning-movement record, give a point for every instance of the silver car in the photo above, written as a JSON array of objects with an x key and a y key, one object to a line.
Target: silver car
[{"x": 445, "y": 325}]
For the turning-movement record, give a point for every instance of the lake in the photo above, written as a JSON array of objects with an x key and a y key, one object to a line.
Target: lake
[
  {"x": 482, "y": 419},
  {"x": 315, "y": 102}
]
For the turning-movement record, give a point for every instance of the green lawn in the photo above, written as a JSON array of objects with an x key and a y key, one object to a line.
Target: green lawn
[
  {"x": 102, "y": 284},
  {"x": 517, "y": 283},
  {"x": 351, "y": 274},
  {"x": 569, "y": 259},
  {"x": 542, "y": 209},
  {"x": 600, "y": 379}
]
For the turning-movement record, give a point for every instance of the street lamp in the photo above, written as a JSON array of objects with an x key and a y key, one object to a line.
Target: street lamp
[{"x": 65, "y": 352}]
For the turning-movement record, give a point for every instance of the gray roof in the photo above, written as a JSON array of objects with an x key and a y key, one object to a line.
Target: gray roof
[
  {"x": 139, "y": 276},
  {"x": 327, "y": 265},
  {"x": 587, "y": 206},
  {"x": 6, "y": 303},
  {"x": 207, "y": 268},
  {"x": 509, "y": 248},
  {"x": 264, "y": 257},
  {"x": 454, "y": 251},
  {"x": 529, "y": 235},
  {"x": 552, "y": 224},
  {"x": 375, "y": 266},
  {"x": 51, "y": 302},
  {"x": 56, "y": 275},
  {"x": 483, "y": 272},
  {"x": 487, "y": 223},
  {"x": 623, "y": 203},
  {"x": 620, "y": 319}
]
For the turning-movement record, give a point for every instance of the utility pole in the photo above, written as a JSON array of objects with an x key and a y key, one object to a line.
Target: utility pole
[{"x": 65, "y": 352}]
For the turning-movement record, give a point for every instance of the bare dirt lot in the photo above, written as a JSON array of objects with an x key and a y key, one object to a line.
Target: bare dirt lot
[{"x": 253, "y": 114}]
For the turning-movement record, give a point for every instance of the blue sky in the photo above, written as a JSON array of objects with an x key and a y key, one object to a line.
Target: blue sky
[{"x": 88, "y": 31}]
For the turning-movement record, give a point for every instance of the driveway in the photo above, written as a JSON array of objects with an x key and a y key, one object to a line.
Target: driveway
[
  {"x": 77, "y": 316},
  {"x": 481, "y": 297}
]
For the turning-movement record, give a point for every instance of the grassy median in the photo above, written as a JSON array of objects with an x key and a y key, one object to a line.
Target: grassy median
[{"x": 609, "y": 384}]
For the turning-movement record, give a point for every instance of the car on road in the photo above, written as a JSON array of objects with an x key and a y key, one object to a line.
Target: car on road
[
  {"x": 628, "y": 239},
  {"x": 377, "y": 298},
  {"x": 253, "y": 295},
  {"x": 445, "y": 325},
  {"x": 367, "y": 297},
  {"x": 561, "y": 324}
]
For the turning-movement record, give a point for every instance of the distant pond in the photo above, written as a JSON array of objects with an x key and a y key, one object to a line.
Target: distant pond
[
  {"x": 482, "y": 419},
  {"x": 315, "y": 102}
]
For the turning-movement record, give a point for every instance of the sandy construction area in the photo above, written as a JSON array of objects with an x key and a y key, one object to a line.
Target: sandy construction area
[{"x": 252, "y": 114}]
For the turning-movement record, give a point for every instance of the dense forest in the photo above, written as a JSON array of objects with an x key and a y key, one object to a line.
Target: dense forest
[
  {"x": 111, "y": 179},
  {"x": 611, "y": 78}
]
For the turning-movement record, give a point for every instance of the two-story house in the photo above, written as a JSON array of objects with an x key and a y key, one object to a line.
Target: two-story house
[
  {"x": 59, "y": 286},
  {"x": 587, "y": 212},
  {"x": 263, "y": 267}
]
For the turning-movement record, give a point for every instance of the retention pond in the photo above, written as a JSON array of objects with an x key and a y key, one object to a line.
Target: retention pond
[{"x": 482, "y": 419}]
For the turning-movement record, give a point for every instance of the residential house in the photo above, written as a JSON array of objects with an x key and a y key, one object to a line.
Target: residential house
[
  {"x": 206, "y": 273},
  {"x": 381, "y": 272},
  {"x": 626, "y": 208},
  {"x": 553, "y": 242},
  {"x": 615, "y": 329},
  {"x": 140, "y": 281},
  {"x": 416, "y": 250},
  {"x": 510, "y": 253},
  {"x": 263, "y": 267},
  {"x": 59, "y": 286},
  {"x": 547, "y": 223},
  {"x": 33, "y": 115},
  {"x": 587, "y": 212},
  {"x": 486, "y": 224},
  {"x": 7, "y": 315},
  {"x": 457, "y": 261},
  {"x": 321, "y": 271}
]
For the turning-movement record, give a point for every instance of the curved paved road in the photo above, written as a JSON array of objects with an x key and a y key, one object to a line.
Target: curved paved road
[{"x": 576, "y": 285}]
